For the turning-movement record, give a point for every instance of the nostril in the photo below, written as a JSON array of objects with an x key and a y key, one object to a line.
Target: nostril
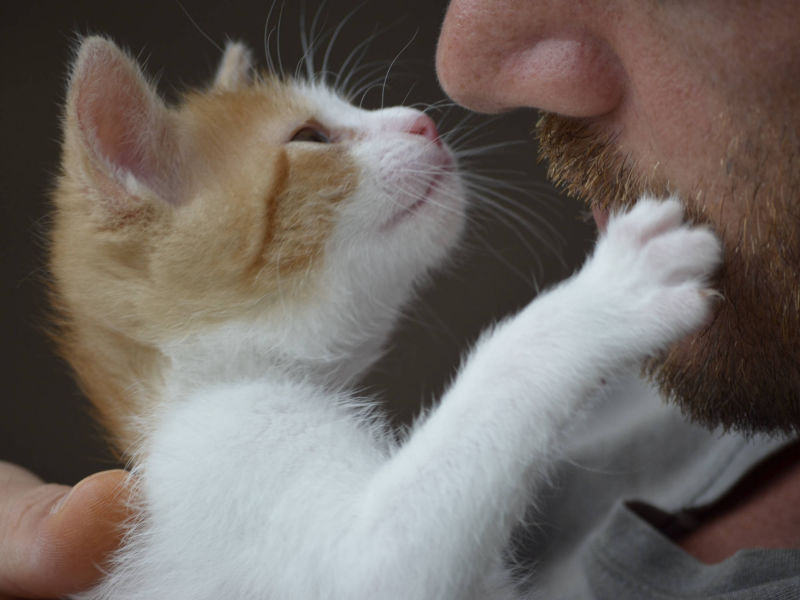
[{"x": 426, "y": 127}]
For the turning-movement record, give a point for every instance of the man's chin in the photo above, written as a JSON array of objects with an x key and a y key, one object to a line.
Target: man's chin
[{"x": 743, "y": 370}]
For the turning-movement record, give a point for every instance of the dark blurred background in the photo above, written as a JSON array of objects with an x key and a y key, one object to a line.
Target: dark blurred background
[{"x": 516, "y": 244}]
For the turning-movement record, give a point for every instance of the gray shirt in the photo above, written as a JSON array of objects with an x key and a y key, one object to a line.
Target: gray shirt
[{"x": 636, "y": 453}]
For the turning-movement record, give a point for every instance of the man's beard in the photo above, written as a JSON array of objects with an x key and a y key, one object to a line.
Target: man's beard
[{"x": 742, "y": 371}]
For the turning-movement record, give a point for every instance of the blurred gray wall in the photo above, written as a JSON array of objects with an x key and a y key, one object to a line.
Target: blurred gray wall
[{"x": 507, "y": 255}]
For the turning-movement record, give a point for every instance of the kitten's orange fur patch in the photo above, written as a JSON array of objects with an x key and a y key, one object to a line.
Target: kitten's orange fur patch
[{"x": 249, "y": 221}]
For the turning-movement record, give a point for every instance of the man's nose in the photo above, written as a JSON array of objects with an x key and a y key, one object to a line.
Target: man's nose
[{"x": 496, "y": 55}]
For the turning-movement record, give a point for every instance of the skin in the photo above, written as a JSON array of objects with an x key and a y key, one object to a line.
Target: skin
[
  {"x": 697, "y": 98},
  {"x": 54, "y": 537},
  {"x": 659, "y": 75}
]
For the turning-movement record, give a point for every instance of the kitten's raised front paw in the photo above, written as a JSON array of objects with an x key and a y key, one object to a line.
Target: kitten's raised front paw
[{"x": 657, "y": 271}]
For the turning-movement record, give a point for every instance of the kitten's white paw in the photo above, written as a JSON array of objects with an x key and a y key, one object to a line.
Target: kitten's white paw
[{"x": 656, "y": 271}]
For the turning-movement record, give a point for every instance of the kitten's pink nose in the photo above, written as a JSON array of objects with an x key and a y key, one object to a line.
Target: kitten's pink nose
[{"x": 426, "y": 127}]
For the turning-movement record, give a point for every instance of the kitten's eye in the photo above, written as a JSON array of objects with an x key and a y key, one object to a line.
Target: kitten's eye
[{"x": 309, "y": 133}]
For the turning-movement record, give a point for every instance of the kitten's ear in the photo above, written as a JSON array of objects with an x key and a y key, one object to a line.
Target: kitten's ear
[
  {"x": 119, "y": 129},
  {"x": 235, "y": 71}
]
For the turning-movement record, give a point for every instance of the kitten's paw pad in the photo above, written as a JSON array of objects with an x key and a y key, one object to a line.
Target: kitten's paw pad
[{"x": 657, "y": 270}]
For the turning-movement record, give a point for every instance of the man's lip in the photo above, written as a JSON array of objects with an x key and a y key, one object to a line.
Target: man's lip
[{"x": 600, "y": 218}]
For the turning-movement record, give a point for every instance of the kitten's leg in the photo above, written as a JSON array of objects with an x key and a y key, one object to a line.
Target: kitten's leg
[{"x": 444, "y": 505}]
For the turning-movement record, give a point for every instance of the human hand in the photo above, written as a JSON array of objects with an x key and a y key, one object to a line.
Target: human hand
[{"x": 55, "y": 537}]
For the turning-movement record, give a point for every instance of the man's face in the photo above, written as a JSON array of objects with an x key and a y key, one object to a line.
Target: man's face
[{"x": 695, "y": 97}]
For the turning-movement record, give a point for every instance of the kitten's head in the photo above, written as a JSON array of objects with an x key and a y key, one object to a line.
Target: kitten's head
[{"x": 258, "y": 199}]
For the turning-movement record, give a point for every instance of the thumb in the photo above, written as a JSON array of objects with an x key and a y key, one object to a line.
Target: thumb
[{"x": 55, "y": 539}]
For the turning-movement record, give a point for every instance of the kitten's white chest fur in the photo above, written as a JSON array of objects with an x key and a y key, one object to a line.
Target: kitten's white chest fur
[
  {"x": 275, "y": 486},
  {"x": 259, "y": 474}
]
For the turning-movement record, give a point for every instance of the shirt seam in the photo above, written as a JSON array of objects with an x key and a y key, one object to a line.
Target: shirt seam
[{"x": 615, "y": 568}]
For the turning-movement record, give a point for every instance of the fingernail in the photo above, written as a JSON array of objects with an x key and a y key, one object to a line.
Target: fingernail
[{"x": 59, "y": 504}]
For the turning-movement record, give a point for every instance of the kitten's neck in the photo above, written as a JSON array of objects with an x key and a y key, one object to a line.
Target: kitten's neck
[
  {"x": 126, "y": 375},
  {"x": 250, "y": 350},
  {"x": 331, "y": 339}
]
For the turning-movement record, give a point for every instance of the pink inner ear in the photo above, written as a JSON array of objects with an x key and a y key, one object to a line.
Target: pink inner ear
[{"x": 122, "y": 121}]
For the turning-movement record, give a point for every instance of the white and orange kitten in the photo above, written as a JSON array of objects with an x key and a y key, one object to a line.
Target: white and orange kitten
[{"x": 226, "y": 268}]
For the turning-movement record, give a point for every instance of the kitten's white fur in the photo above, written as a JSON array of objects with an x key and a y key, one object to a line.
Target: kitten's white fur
[
  {"x": 265, "y": 478},
  {"x": 272, "y": 485}
]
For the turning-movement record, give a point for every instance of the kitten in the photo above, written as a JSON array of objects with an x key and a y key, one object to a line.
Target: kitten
[{"x": 225, "y": 268}]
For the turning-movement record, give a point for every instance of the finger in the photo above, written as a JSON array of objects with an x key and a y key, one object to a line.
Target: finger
[
  {"x": 81, "y": 534},
  {"x": 59, "y": 539},
  {"x": 24, "y": 502},
  {"x": 11, "y": 474}
]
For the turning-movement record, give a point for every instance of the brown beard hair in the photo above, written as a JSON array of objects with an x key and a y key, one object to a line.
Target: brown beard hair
[{"x": 742, "y": 371}]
